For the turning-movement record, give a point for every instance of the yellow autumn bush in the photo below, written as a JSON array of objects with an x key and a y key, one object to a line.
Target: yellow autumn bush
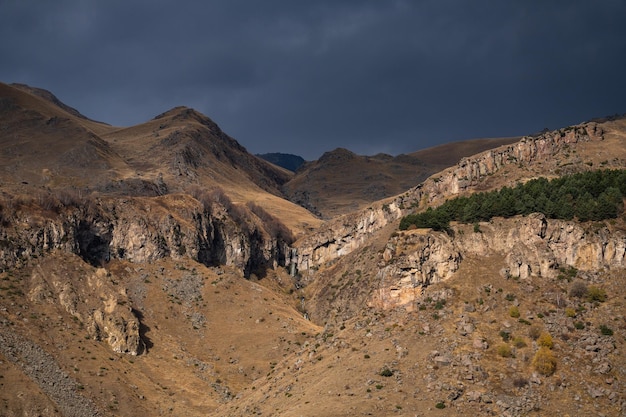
[{"x": 544, "y": 361}]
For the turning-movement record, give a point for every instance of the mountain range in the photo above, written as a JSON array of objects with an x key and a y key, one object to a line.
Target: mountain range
[{"x": 161, "y": 269}]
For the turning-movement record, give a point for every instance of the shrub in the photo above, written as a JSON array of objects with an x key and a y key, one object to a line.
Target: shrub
[
  {"x": 545, "y": 340},
  {"x": 514, "y": 312},
  {"x": 69, "y": 197},
  {"x": 570, "y": 312},
  {"x": 520, "y": 382},
  {"x": 578, "y": 289},
  {"x": 505, "y": 351},
  {"x": 596, "y": 294},
  {"x": 505, "y": 335},
  {"x": 567, "y": 273},
  {"x": 386, "y": 372},
  {"x": 48, "y": 202},
  {"x": 202, "y": 195},
  {"x": 519, "y": 342},
  {"x": 544, "y": 361},
  {"x": 440, "y": 405},
  {"x": 579, "y": 325},
  {"x": 606, "y": 331}
]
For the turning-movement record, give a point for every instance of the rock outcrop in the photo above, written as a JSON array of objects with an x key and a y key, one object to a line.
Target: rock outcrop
[
  {"x": 94, "y": 301},
  {"x": 531, "y": 245},
  {"x": 342, "y": 236},
  {"x": 143, "y": 230},
  {"x": 347, "y": 233},
  {"x": 529, "y": 150},
  {"x": 138, "y": 230}
]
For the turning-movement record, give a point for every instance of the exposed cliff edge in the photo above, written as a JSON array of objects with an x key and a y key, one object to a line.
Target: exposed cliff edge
[
  {"x": 347, "y": 233},
  {"x": 138, "y": 230},
  {"x": 531, "y": 245},
  {"x": 143, "y": 230},
  {"x": 94, "y": 301}
]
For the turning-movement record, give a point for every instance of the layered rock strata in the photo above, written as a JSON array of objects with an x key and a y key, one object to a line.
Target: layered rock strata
[
  {"x": 530, "y": 246},
  {"x": 345, "y": 234},
  {"x": 143, "y": 230}
]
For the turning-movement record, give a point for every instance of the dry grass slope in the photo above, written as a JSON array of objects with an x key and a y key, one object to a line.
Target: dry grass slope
[{"x": 213, "y": 343}]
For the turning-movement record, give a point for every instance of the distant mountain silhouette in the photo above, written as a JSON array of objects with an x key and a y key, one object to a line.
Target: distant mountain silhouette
[{"x": 284, "y": 160}]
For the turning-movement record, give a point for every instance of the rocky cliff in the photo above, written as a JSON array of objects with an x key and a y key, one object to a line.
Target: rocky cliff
[
  {"x": 530, "y": 150},
  {"x": 530, "y": 245},
  {"x": 143, "y": 230},
  {"x": 94, "y": 300},
  {"x": 139, "y": 230},
  {"x": 347, "y": 233}
]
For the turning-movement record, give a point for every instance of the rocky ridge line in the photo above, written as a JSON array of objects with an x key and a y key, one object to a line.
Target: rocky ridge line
[{"x": 347, "y": 233}]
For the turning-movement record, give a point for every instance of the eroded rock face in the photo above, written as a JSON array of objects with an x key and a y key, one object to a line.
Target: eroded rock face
[
  {"x": 94, "y": 300},
  {"x": 345, "y": 234},
  {"x": 413, "y": 262},
  {"x": 143, "y": 230},
  {"x": 528, "y": 150},
  {"x": 531, "y": 245},
  {"x": 134, "y": 229}
]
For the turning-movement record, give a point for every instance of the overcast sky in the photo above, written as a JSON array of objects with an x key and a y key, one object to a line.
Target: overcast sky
[{"x": 306, "y": 77}]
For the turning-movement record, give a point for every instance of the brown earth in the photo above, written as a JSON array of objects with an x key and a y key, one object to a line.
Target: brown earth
[
  {"x": 212, "y": 342},
  {"x": 341, "y": 182}
]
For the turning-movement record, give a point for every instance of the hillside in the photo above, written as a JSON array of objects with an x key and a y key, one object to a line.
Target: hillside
[
  {"x": 33, "y": 126},
  {"x": 159, "y": 269},
  {"x": 47, "y": 148},
  {"x": 341, "y": 181}
]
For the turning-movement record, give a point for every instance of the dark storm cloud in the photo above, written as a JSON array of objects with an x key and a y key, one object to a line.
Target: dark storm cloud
[{"x": 306, "y": 77}]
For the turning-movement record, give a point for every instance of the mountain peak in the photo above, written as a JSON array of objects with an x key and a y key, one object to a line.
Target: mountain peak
[
  {"x": 188, "y": 114},
  {"x": 337, "y": 155},
  {"x": 183, "y": 113},
  {"x": 49, "y": 97}
]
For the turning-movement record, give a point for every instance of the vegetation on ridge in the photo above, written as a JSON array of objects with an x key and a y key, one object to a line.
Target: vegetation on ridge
[{"x": 595, "y": 195}]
